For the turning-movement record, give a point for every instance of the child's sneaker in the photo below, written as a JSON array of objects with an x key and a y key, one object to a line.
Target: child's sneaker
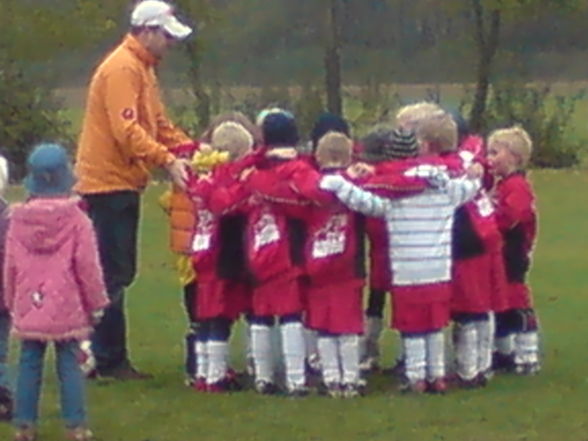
[
  {"x": 6, "y": 404},
  {"x": 80, "y": 433},
  {"x": 437, "y": 386},
  {"x": 369, "y": 365},
  {"x": 200, "y": 384},
  {"x": 456, "y": 381},
  {"x": 332, "y": 389},
  {"x": 412, "y": 387},
  {"x": 25, "y": 433},
  {"x": 484, "y": 377},
  {"x": 298, "y": 391},
  {"x": 351, "y": 390},
  {"x": 527, "y": 368},
  {"x": 227, "y": 384},
  {"x": 266, "y": 387}
]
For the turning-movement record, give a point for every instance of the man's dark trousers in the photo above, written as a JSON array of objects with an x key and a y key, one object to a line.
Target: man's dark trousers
[{"x": 115, "y": 217}]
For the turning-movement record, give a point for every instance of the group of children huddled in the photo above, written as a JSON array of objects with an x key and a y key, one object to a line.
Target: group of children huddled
[{"x": 276, "y": 233}]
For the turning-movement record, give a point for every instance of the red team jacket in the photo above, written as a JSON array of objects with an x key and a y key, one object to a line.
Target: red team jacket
[{"x": 517, "y": 220}]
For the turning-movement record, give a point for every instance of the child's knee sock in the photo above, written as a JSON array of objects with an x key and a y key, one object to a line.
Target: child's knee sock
[
  {"x": 349, "y": 354},
  {"x": 485, "y": 344},
  {"x": 507, "y": 323},
  {"x": 202, "y": 359},
  {"x": 435, "y": 347},
  {"x": 293, "y": 350},
  {"x": 527, "y": 339},
  {"x": 527, "y": 347},
  {"x": 466, "y": 349},
  {"x": 218, "y": 350},
  {"x": 415, "y": 356},
  {"x": 328, "y": 347},
  {"x": 261, "y": 348}
]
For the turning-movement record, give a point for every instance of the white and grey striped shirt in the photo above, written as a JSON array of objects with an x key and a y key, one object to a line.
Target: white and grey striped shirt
[{"x": 419, "y": 227}]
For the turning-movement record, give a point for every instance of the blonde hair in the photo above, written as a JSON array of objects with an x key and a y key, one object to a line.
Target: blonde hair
[
  {"x": 439, "y": 130},
  {"x": 232, "y": 137},
  {"x": 334, "y": 149},
  {"x": 409, "y": 117},
  {"x": 517, "y": 140},
  {"x": 236, "y": 117}
]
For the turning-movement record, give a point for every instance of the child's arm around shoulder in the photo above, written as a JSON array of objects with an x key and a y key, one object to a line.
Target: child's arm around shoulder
[
  {"x": 462, "y": 189},
  {"x": 354, "y": 197}
]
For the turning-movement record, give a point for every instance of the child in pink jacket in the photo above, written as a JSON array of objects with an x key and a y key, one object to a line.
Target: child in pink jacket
[{"x": 53, "y": 288}]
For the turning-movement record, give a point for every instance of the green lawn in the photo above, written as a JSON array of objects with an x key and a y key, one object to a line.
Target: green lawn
[{"x": 547, "y": 407}]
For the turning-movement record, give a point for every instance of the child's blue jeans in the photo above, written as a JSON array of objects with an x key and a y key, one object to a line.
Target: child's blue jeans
[
  {"x": 30, "y": 375},
  {"x": 4, "y": 334}
]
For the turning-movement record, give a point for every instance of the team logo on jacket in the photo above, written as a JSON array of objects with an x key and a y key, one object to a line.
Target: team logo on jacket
[
  {"x": 204, "y": 228},
  {"x": 484, "y": 205},
  {"x": 330, "y": 239},
  {"x": 265, "y": 231},
  {"x": 128, "y": 113},
  {"x": 37, "y": 299}
]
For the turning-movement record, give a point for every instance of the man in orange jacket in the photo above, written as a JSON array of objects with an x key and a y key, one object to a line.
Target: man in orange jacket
[{"x": 125, "y": 133}]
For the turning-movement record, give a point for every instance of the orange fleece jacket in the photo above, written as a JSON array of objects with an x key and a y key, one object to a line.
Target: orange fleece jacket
[{"x": 125, "y": 130}]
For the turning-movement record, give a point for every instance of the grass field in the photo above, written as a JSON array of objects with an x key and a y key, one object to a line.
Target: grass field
[{"x": 547, "y": 407}]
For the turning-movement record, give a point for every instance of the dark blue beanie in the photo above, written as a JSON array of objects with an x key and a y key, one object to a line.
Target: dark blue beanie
[
  {"x": 279, "y": 129},
  {"x": 328, "y": 122}
]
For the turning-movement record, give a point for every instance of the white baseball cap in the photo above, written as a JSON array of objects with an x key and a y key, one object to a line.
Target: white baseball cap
[{"x": 161, "y": 14}]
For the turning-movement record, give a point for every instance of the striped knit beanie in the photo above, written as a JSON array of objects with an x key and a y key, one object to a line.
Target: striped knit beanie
[
  {"x": 403, "y": 144},
  {"x": 384, "y": 143}
]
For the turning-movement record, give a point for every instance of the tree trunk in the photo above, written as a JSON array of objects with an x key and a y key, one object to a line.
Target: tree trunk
[
  {"x": 333, "y": 58},
  {"x": 202, "y": 97},
  {"x": 487, "y": 42}
]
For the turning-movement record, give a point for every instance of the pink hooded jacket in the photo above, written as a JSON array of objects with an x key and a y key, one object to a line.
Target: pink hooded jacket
[{"x": 52, "y": 276}]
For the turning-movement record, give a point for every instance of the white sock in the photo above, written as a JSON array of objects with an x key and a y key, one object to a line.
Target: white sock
[
  {"x": 261, "y": 348},
  {"x": 349, "y": 355},
  {"x": 527, "y": 347},
  {"x": 201, "y": 359},
  {"x": 466, "y": 350},
  {"x": 435, "y": 343},
  {"x": 505, "y": 345},
  {"x": 294, "y": 350},
  {"x": 485, "y": 343},
  {"x": 415, "y": 356},
  {"x": 218, "y": 352},
  {"x": 328, "y": 347}
]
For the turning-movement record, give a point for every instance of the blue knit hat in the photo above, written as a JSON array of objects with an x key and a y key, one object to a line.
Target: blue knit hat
[
  {"x": 279, "y": 129},
  {"x": 328, "y": 122},
  {"x": 49, "y": 171}
]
